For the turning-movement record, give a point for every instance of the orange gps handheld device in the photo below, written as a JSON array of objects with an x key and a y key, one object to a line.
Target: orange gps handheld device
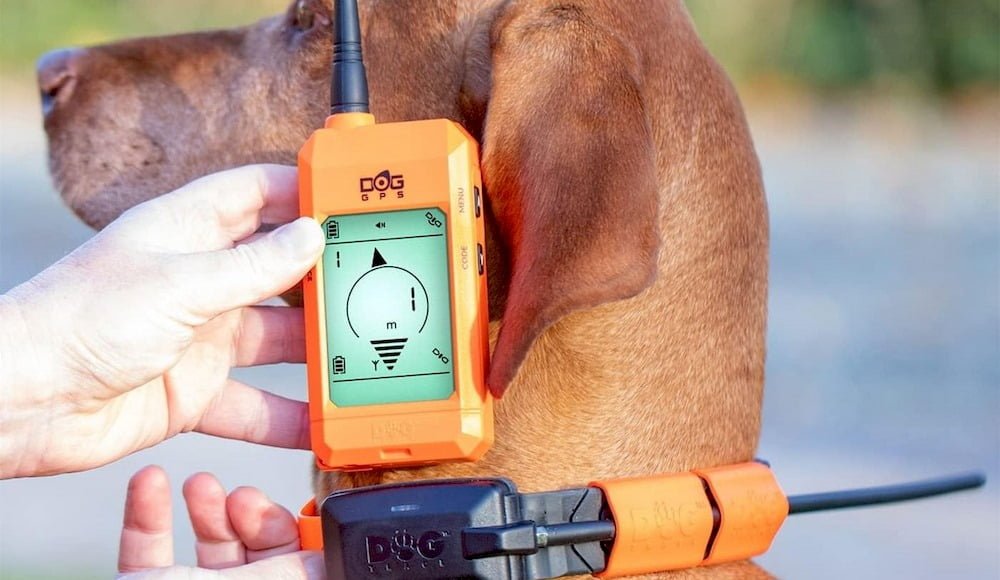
[{"x": 396, "y": 309}]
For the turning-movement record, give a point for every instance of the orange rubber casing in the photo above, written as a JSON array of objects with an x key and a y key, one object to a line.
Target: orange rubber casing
[
  {"x": 752, "y": 507},
  {"x": 709, "y": 516},
  {"x": 440, "y": 162},
  {"x": 670, "y": 522},
  {"x": 310, "y": 528}
]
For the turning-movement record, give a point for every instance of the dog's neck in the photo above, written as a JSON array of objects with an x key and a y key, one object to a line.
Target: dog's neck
[{"x": 671, "y": 379}]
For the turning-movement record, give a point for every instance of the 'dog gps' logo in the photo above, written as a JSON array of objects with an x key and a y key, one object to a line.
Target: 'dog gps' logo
[
  {"x": 406, "y": 547},
  {"x": 382, "y": 185}
]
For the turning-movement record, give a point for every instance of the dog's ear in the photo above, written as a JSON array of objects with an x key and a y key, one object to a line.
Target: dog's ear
[{"x": 570, "y": 168}]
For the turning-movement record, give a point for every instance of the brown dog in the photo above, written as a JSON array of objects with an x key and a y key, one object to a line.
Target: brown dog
[{"x": 628, "y": 228}]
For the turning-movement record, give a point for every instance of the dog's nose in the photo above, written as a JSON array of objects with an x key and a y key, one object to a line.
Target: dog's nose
[{"x": 57, "y": 77}]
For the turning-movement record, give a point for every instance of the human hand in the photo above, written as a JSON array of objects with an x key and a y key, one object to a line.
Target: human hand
[
  {"x": 130, "y": 339},
  {"x": 244, "y": 535}
]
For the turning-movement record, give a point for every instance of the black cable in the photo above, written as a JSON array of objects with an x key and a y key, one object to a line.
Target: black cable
[{"x": 813, "y": 502}]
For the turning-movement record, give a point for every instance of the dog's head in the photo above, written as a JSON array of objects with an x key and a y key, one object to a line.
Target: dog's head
[
  {"x": 131, "y": 120},
  {"x": 569, "y": 162}
]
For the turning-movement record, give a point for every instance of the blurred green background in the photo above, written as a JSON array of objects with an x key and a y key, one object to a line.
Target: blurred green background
[
  {"x": 877, "y": 123},
  {"x": 933, "y": 46},
  {"x": 939, "y": 46}
]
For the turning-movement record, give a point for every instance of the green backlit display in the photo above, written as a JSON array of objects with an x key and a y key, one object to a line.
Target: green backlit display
[{"x": 388, "y": 308}]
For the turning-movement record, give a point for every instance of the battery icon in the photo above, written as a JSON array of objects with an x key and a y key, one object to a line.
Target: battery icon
[
  {"x": 339, "y": 365},
  {"x": 332, "y": 230}
]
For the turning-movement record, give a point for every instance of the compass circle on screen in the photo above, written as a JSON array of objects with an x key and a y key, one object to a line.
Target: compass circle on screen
[{"x": 387, "y": 302}]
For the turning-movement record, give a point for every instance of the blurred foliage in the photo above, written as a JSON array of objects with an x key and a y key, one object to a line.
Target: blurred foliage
[
  {"x": 922, "y": 45},
  {"x": 28, "y": 28}
]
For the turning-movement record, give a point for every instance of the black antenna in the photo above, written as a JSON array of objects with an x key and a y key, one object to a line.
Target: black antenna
[
  {"x": 814, "y": 502},
  {"x": 349, "y": 88}
]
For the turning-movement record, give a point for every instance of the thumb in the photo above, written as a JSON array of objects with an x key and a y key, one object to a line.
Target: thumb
[
  {"x": 297, "y": 566},
  {"x": 216, "y": 282}
]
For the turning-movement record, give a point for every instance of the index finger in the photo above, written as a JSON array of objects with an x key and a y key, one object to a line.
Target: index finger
[
  {"x": 217, "y": 546},
  {"x": 147, "y": 533},
  {"x": 216, "y": 211},
  {"x": 248, "y": 414}
]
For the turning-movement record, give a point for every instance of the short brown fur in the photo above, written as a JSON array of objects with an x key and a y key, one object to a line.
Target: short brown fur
[{"x": 627, "y": 221}]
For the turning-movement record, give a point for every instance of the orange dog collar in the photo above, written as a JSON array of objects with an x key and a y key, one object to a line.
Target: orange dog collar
[
  {"x": 650, "y": 524},
  {"x": 310, "y": 527},
  {"x": 484, "y": 528},
  {"x": 708, "y": 516}
]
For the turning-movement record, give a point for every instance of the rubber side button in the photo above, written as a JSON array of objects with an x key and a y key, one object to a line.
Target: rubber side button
[
  {"x": 482, "y": 260},
  {"x": 478, "y": 201}
]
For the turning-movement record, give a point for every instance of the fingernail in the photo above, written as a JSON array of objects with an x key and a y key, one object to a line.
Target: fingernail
[{"x": 302, "y": 237}]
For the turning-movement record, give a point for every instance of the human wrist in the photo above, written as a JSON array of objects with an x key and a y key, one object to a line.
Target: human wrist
[{"x": 26, "y": 390}]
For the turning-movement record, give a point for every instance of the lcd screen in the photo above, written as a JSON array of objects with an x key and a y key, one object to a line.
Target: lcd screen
[{"x": 388, "y": 308}]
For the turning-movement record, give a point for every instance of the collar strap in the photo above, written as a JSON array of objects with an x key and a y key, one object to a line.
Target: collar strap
[
  {"x": 658, "y": 523},
  {"x": 310, "y": 527},
  {"x": 705, "y": 517}
]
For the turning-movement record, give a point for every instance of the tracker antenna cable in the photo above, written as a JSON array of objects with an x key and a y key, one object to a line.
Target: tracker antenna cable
[{"x": 851, "y": 498}]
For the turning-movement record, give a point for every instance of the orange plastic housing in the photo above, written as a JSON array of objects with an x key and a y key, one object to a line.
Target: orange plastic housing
[
  {"x": 709, "y": 516},
  {"x": 310, "y": 528},
  {"x": 440, "y": 162}
]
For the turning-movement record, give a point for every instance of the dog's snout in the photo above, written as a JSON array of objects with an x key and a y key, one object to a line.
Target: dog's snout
[{"x": 58, "y": 72}]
